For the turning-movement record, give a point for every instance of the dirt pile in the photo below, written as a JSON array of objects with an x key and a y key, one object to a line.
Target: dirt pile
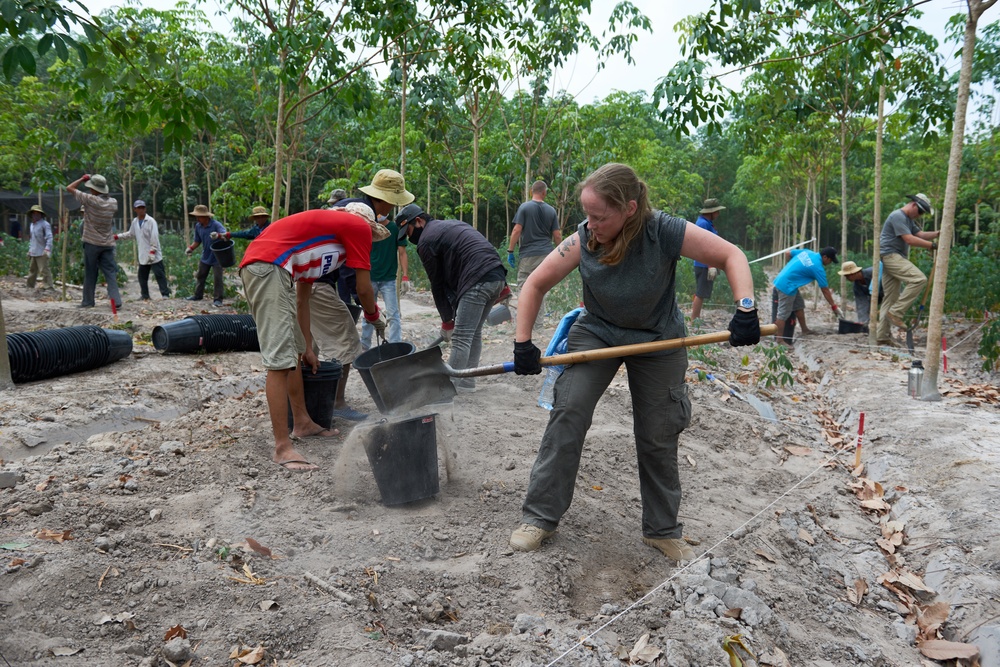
[{"x": 142, "y": 521}]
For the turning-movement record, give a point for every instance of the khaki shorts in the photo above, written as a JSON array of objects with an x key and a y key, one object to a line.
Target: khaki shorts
[
  {"x": 334, "y": 332},
  {"x": 788, "y": 304},
  {"x": 271, "y": 294}
]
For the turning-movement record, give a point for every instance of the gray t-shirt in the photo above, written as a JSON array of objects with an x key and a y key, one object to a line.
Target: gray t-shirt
[
  {"x": 634, "y": 301},
  {"x": 538, "y": 221},
  {"x": 890, "y": 241}
]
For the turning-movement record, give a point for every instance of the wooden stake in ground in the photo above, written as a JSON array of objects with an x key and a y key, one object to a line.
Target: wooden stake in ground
[
  {"x": 857, "y": 447},
  {"x": 933, "y": 355}
]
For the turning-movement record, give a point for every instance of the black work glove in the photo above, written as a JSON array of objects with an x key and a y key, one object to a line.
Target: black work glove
[
  {"x": 526, "y": 357},
  {"x": 744, "y": 328}
]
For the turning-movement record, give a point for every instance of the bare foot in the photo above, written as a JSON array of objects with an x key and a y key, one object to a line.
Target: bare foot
[
  {"x": 806, "y": 332},
  {"x": 289, "y": 459},
  {"x": 314, "y": 431}
]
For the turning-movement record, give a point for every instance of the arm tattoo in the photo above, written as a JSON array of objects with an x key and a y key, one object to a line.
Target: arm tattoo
[{"x": 566, "y": 245}]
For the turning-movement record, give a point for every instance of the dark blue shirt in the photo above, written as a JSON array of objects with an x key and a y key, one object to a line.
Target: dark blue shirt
[{"x": 202, "y": 236}]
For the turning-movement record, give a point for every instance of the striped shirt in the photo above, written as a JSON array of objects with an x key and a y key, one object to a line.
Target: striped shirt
[{"x": 98, "y": 211}]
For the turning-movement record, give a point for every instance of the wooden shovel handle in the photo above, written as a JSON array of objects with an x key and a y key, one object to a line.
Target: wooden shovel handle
[
  {"x": 645, "y": 348},
  {"x": 609, "y": 352}
]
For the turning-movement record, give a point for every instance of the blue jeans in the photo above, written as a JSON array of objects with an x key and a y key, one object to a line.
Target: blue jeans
[
  {"x": 467, "y": 338},
  {"x": 99, "y": 257},
  {"x": 394, "y": 330}
]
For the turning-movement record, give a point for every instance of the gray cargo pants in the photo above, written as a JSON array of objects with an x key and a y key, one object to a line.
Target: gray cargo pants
[{"x": 661, "y": 410}]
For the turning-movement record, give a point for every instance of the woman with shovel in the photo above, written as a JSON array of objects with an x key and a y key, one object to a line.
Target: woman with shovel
[{"x": 627, "y": 255}]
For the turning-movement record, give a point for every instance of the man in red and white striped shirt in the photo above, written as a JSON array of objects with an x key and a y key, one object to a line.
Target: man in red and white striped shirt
[{"x": 278, "y": 270}]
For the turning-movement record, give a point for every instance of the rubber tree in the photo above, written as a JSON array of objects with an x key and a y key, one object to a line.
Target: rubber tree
[{"x": 933, "y": 353}]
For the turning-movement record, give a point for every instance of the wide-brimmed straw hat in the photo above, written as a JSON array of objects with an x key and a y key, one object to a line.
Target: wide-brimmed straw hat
[
  {"x": 36, "y": 209},
  {"x": 379, "y": 232},
  {"x": 201, "y": 209},
  {"x": 388, "y": 185},
  {"x": 711, "y": 206},
  {"x": 259, "y": 211},
  {"x": 847, "y": 268},
  {"x": 98, "y": 183}
]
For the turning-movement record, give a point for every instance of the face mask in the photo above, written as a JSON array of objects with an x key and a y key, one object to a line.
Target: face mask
[{"x": 415, "y": 235}]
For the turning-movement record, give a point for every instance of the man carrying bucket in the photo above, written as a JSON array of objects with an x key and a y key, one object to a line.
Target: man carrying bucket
[
  {"x": 203, "y": 231},
  {"x": 466, "y": 278},
  {"x": 278, "y": 272}
]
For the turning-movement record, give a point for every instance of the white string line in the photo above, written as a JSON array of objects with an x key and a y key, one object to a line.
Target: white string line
[{"x": 700, "y": 558}]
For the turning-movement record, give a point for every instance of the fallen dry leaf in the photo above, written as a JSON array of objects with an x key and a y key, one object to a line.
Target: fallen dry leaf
[
  {"x": 766, "y": 556},
  {"x": 806, "y": 537},
  {"x": 268, "y": 605},
  {"x": 58, "y": 536},
  {"x": 44, "y": 485},
  {"x": 597, "y": 487},
  {"x": 259, "y": 548},
  {"x": 931, "y": 618},
  {"x": 857, "y": 592},
  {"x": 691, "y": 461},
  {"x": 643, "y": 652},
  {"x": 735, "y": 612},
  {"x": 796, "y": 450},
  {"x": 176, "y": 632},
  {"x": 249, "y": 656},
  {"x": 17, "y": 561},
  {"x": 940, "y": 649}
]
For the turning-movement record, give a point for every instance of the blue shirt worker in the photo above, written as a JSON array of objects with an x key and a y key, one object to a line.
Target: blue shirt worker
[
  {"x": 804, "y": 266},
  {"x": 704, "y": 275},
  {"x": 203, "y": 231}
]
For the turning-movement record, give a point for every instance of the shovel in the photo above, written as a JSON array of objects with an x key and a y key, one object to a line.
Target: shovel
[
  {"x": 408, "y": 382},
  {"x": 763, "y": 408}
]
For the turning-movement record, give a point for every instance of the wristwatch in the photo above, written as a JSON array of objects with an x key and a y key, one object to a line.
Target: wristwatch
[{"x": 746, "y": 303}]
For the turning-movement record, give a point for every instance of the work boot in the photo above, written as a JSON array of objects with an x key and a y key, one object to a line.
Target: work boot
[
  {"x": 528, "y": 537},
  {"x": 897, "y": 321},
  {"x": 676, "y": 549},
  {"x": 888, "y": 343}
]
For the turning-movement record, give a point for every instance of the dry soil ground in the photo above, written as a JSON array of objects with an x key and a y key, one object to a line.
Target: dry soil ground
[{"x": 146, "y": 506}]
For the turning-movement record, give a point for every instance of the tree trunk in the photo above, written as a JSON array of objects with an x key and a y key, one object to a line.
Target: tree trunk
[
  {"x": 877, "y": 221},
  {"x": 288, "y": 185},
  {"x": 933, "y": 354},
  {"x": 428, "y": 207},
  {"x": 805, "y": 210},
  {"x": 527, "y": 177},
  {"x": 975, "y": 231},
  {"x": 843, "y": 206},
  {"x": 475, "y": 121},
  {"x": 184, "y": 202},
  {"x": 279, "y": 139},
  {"x": 64, "y": 231},
  {"x": 5, "y": 381},
  {"x": 402, "y": 121}
]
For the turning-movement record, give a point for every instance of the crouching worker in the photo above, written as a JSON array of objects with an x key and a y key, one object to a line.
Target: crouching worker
[
  {"x": 278, "y": 270},
  {"x": 627, "y": 255}
]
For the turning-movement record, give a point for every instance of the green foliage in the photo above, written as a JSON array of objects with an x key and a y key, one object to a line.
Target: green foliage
[
  {"x": 778, "y": 368},
  {"x": 704, "y": 354},
  {"x": 989, "y": 345}
]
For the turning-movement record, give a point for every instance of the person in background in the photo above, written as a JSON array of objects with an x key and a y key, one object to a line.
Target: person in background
[
  {"x": 277, "y": 271},
  {"x": 260, "y": 218},
  {"x": 147, "y": 236},
  {"x": 804, "y": 266},
  {"x": 388, "y": 255},
  {"x": 466, "y": 277},
  {"x": 862, "y": 279},
  {"x": 14, "y": 227},
  {"x": 333, "y": 326},
  {"x": 627, "y": 256},
  {"x": 899, "y": 232},
  {"x": 536, "y": 229},
  {"x": 207, "y": 225},
  {"x": 704, "y": 275},
  {"x": 336, "y": 196},
  {"x": 39, "y": 248},
  {"x": 98, "y": 237}
]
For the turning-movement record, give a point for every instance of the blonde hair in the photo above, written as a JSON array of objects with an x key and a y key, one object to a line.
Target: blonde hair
[{"x": 617, "y": 184}]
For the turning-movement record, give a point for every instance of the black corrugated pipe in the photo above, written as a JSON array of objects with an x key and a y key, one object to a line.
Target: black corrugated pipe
[
  {"x": 208, "y": 333},
  {"x": 37, "y": 355}
]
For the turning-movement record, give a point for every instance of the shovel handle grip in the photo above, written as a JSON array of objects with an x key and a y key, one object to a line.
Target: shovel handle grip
[{"x": 611, "y": 352}]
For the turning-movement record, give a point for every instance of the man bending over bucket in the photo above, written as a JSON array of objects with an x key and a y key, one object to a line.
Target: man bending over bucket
[{"x": 278, "y": 270}]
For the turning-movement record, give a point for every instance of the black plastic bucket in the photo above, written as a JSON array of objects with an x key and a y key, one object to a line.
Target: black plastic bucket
[
  {"x": 789, "y": 323},
  {"x": 38, "y": 355},
  {"x": 224, "y": 252},
  {"x": 403, "y": 457},
  {"x": 211, "y": 333},
  {"x": 848, "y": 327},
  {"x": 377, "y": 354},
  {"x": 320, "y": 390},
  {"x": 355, "y": 311}
]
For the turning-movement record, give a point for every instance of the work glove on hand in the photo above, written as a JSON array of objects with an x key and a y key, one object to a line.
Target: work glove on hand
[
  {"x": 510, "y": 259},
  {"x": 377, "y": 320},
  {"x": 712, "y": 272},
  {"x": 404, "y": 286},
  {"x": 189, "y": 250},
  {"x": 152, "y": 253},
  {"x": 213, "y": 235},
  {"x": 836, "y": 311},
  {"x": 744, "y": 328},
  {"x": 116, "y": 237},
  {"x": 86, "y": 177},
  {"x": 526, "y": 357},
  {"x": 447, "y": 329}
]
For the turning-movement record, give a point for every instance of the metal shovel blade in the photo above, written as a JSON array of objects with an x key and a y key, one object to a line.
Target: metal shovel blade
[{"x": 414, "y": 380}]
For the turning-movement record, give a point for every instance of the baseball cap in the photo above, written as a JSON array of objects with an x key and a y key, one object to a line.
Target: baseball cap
[
  {"x": 406, "y": 216},
  {"x": 830, "y": 252},
  {"x": 138, "y": 203}
]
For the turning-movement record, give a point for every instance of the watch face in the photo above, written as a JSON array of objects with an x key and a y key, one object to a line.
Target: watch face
[{"x": 746, "y": 302}]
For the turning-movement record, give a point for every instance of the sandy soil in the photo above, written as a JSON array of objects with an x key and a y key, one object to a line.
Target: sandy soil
[{"x": 146, "y": 506}]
